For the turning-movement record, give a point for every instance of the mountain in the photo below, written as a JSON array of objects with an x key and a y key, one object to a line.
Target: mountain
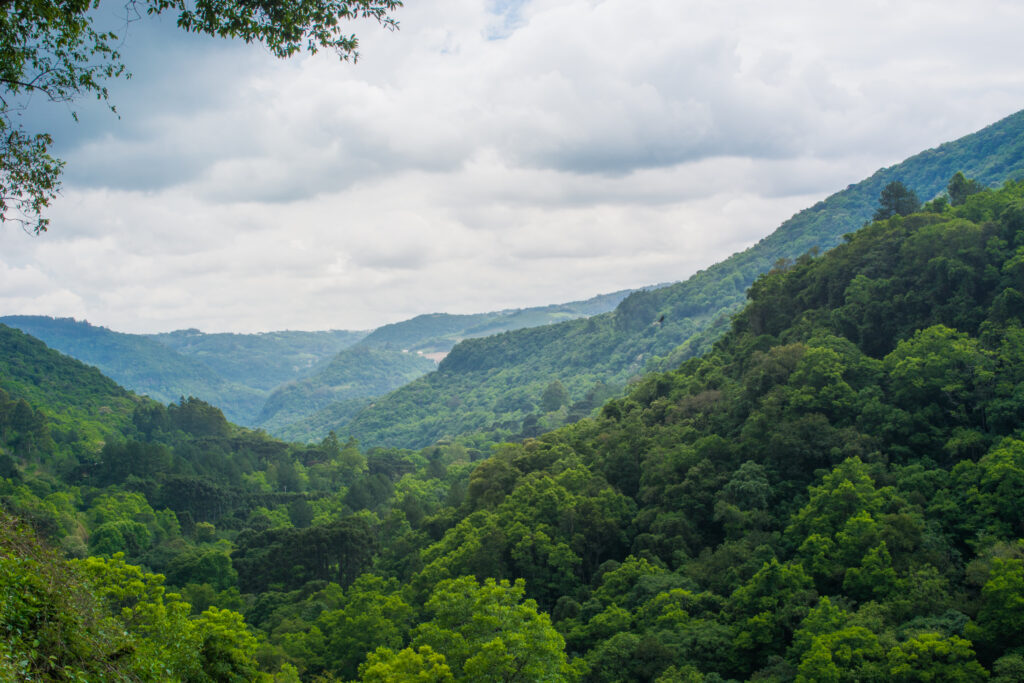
[
  {"x": 278, "y": 379},
  {"x": 71, "y": 391},
  {"x": 831, "y": 492},
  {"x": 392, "y": 356},
  {"x": 145, "y": 365},
  {"x": 233, "y": 371},
  {"x": 495, "y": 384},
  {"x": 436, "y": 333},
  {"x": 264, "y": 360},
  {"x": 359, "y": 374}
]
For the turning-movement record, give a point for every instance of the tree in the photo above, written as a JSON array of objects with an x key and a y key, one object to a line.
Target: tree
[
  {"x": 1000, "y": 620},
  {"x": 408, "y": 666},
  {"x": 960, "y": 188},
  {"x": 490, "y": 633},
  {"x": 51, "y": 49},
  {"x": 931, "y": 657},
  {"x": 555, "y": 396},
  {"x": 896, "y": 200}
]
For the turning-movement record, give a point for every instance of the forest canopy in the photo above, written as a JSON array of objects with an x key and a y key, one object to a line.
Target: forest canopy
[{"x": 832, "y": 492}]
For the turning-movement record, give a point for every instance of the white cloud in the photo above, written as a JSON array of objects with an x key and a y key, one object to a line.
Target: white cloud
[{"x": 489, "y": 155}]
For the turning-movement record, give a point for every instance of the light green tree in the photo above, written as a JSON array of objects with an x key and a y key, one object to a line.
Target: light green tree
[
  {"x": 932, "y": 657},
  {"x": 488, "y": 632},
  {"x": 407, "y": 666}
]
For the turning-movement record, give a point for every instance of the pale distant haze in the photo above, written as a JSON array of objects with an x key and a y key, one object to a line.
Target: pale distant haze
[{"x": 490, "y": 154}]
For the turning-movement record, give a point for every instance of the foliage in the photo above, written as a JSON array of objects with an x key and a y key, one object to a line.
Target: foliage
[
  {"x": 960, "y": 188},
  {"x": 489, "y": 633},
  {"x": 408, "y": 666},
  {"x": 831, "y": 493},
  {"x": 52, "y": 49}
]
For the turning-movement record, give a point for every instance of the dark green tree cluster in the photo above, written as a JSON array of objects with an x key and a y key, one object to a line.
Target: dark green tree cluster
[
  {"x": 830, "y": 494},
  {"x": 896, "y": 200}
]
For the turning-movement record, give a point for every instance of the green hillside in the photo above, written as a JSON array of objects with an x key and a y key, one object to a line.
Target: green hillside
[
  {"x": 334, "y": 392},
  {"x": 146, "y": 366},
  {"x": 282, "y": 380},
  {"x": 831, "y": 493},
  {"x": 264, "y": 360},
  {"x": 71, "y": 391},
  {"x": 355, "y": 374},
  {"x": 233, "y": 371},
  {"x": 495, "y": 384},
  {"x": 439, "y": 332}
]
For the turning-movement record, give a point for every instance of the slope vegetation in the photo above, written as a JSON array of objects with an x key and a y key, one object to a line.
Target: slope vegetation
[
  {"x": 495, "y": 384},
  {"x": 832, "y": 492},
  {"x": 437, "y": 333},
  {"x": 264, "y": 360},
  {"x": 356, "y": 374},
  {"x": 392, "y": 356},
  {"x": 142, "y": 364}
]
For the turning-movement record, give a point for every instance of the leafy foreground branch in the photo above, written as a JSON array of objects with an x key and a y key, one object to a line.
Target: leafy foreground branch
[{"x": 50, "y": 49}]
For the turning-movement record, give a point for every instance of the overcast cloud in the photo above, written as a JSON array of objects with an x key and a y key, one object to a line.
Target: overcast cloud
[{"x": 489, "y": 154}]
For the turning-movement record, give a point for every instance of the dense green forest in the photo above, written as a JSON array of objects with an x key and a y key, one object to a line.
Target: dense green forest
[
  {"x": 495, "y": 385},
  {"x": 830, "y": 493}
]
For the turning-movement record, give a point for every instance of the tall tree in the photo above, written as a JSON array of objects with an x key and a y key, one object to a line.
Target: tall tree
[
  {"x": 896, "y": 200},
  {"x": 960, "y": 188}
]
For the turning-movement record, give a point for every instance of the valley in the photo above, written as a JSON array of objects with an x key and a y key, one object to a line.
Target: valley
[{"x": 801, "y": 463}]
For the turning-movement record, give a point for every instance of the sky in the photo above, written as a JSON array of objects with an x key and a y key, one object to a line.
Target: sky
[{"x": 490, "y": 154}]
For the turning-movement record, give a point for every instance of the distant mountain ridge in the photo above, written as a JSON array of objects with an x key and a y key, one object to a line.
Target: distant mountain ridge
[
  {"x": 273, "y": 379},
  {"x": 439, "y": 332},
  {"x": 394, "y": 355},
  {"x": 494, "y": 384},
  {"x": 147, "y": 366},
  {"x": 263, "y": 360}
]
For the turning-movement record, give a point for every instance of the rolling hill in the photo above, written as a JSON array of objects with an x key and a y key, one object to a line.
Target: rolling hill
[{"x": 494, "y": 385}]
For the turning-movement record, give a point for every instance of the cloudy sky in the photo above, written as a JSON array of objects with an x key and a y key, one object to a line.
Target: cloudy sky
[{"x": 490, "y": 154}]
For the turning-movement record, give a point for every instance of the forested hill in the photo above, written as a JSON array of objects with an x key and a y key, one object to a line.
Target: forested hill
[
  {"x": 272, "y": 379},
  {"x": 439, "y": 332},
  {"x": 392, "y": 356},
  {"x": 143, "y": 364},
  {"x": 71, "y": 391},
  {"x": 264, "y": 360},
  {"x": 496, "y": 384},
  {"x": 831, "y": 493},
  {"x": 234, "y": 372},
  {"x": 356, "y": 374}
]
